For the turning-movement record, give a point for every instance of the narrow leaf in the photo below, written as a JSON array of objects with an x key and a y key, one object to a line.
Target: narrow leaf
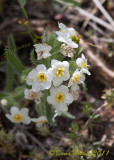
[
  {"x": 10, "y": 69},
  {"x": 68, "y": 115},
  {"x": 14, "y": 61}
]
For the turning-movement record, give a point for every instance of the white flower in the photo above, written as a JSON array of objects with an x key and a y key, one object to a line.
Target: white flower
[
  {"x": 39, "y": 121},
  {"x": 42, "y": 50},
  {"x": 60, "y": 71},
  {"x": 33, "y": 95},
  {"x": 83, "y": 70},
  {"x": 60, "y": 98},
  {"x": 77, "y": 78},
  {"x": 4, "y": 102},
  {"x": 40, "y": 78},
  {"x": 82, "y": 62},
  {"x": 65, "y": 35},
  {"x": 31, "y": 77},
  {"x": 18, "y": 116},
  {"x": 67, "y": 51}
]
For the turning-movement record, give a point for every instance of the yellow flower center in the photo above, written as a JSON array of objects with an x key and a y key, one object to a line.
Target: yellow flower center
[
  {"x": 73, "y": 38},
  {"x": 60, "y": 97},
  {"x": 76, "y": 78},
  {"x": 60, "y": 71},
  {"x": 43, "y": 121},
  {"x": 18, "y": 118},
  {"x": 84, "y": 64},
  {"x": 41, "y": 77}
]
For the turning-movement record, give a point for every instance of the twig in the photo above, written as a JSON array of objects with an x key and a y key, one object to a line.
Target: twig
[
  {"x": 105, "y": 74},
  {"x": 108, "y": 40},
  {"x": 97, "y": 28},
  {"x": 92, "y": 12},
  {"x": 105, "y": 13},
  {"x": 36, "y": 141},
  {"x": 96, "y": 112},
  {"x": 94, "y": 18}
]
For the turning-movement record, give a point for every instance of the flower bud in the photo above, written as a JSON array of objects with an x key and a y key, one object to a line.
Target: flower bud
[{"x": 4, "y": 102}]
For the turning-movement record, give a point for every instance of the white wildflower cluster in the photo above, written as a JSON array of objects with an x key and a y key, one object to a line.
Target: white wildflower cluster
[{"x": 62, "y": 84}]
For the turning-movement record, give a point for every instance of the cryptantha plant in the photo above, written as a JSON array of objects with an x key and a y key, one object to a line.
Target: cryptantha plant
[{"x": 54, "y": 81}]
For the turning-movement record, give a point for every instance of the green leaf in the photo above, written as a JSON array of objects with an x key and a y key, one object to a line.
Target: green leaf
[
  {"x": 51, "y": 40},
  {"x": 73, "y": 66},
  {"x": 3, "y": 94},
  {"x": 45, "y": 61},
  {"x": 49, "y": 111},
  {"x": 9, "y": 78},
  {"x": 10, "y": 69},
  {"x": 96, "y": 116},
  {"x": 22, "y": 3},
  {"x": 44, "y": 36},
  {"x": 68, "y": 115},
  {"x": 74, "y": 128},
  {"x": 11, "y": 43},
  {"x": 14, "y": 61},
  {"x": 25, "y": 74},
  {"x": 79, "y": 52},
  {"x": 18, "y": 93}
]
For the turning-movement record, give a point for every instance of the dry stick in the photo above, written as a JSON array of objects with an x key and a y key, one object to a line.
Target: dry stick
[
  {"x": 35, "y": 140},
  {"x": 97, "y": 28},
  {"x": 104, "y": 12},
  {"x": 105, "y": 75},
  {"x": 108, "y": 40},
  {"x": 96, "y": 19},
  {"x": 93, "y": 12},
  {"x": 96, "y": 112}
]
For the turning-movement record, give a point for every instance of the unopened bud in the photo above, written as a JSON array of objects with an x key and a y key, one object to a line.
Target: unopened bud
[{"x": 4, "y": 102}]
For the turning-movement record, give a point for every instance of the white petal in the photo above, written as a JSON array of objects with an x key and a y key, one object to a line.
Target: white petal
[
  {"x": 14, "y": 110},
  {"x": 64, "y": 88},
  {"x": 75, "y": 87},
  {"x": 34, "y": 120},
  {"x": 32, "y": 74},
  {"x": 24, "y": 111},
  {"x": 66, "y": 76},
  {"x": 45, "y": 85},
  {"x": 53, "y": 62},
  {"x": 83, "y": 56},
  {"x": 50, "y": 100},
  {"x": 9, "y": 117},
  {"x": 69, "y": 98},
  {"x": 27, "y": 120},
  {"x": 61, "y": 108},
  {"x": 70, "y": 82},
  {"x": 57, "y": 81},
  {"x": 62, "y": 26},
  {"x": 41, "y": 67},
  {"x": 45, "y": 55},
  {"x": 29, "y": 81},
  {"x": 65, "y": 64},
  {"x": 36, "y": 86},
  {"x": 82, "y": 78},
  {"x": 72, "y": 44},
  {"x": 50, "y": 74},
  {"x": 79, "y": 61},
  {"x": 72, "y": 31}
]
